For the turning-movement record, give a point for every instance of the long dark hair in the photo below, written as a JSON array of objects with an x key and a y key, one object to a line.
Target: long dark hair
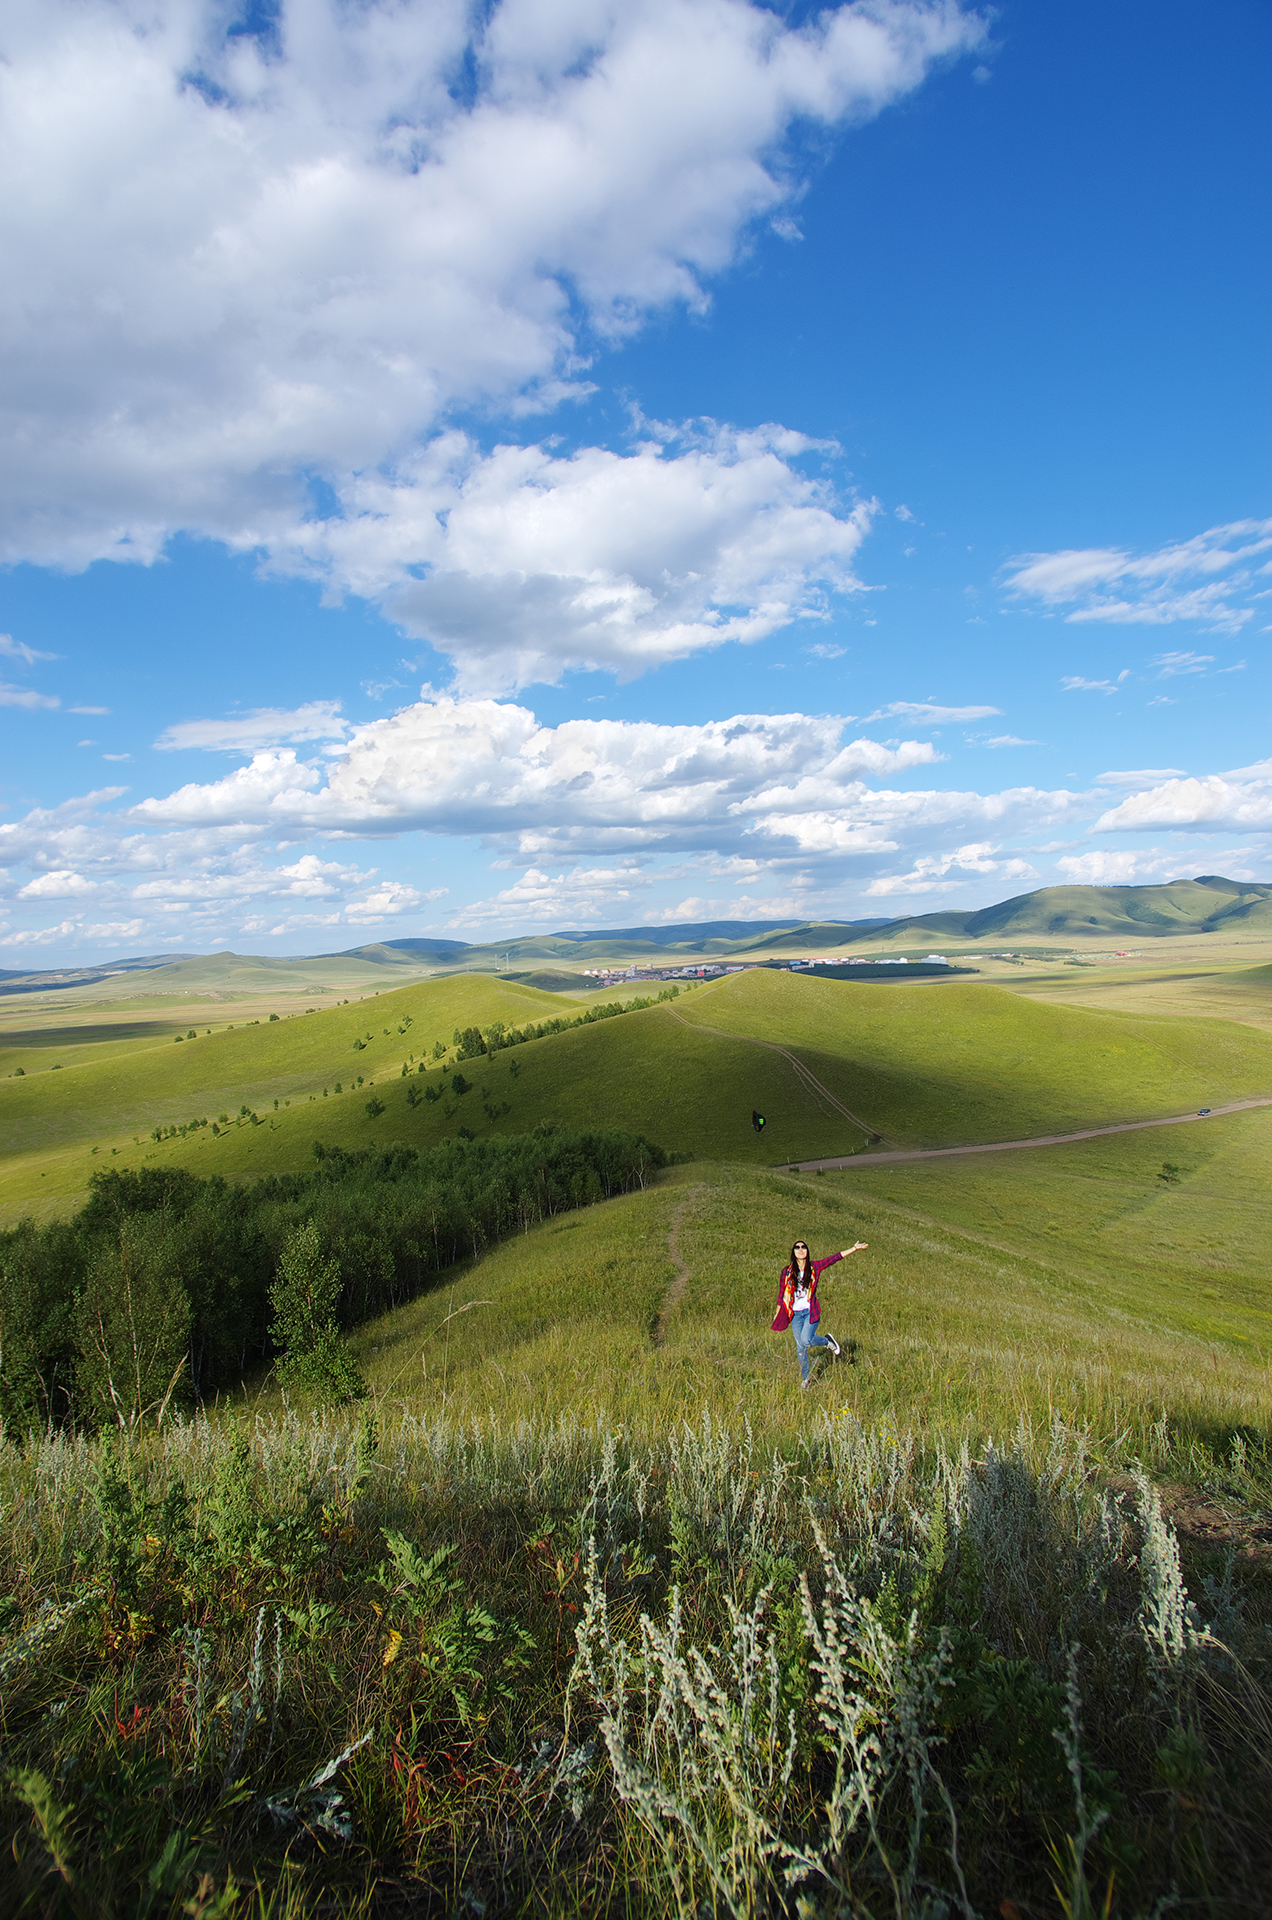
[{"x": 794, "y": 1268}]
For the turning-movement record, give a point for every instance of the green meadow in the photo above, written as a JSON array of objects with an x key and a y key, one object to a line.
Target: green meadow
[
  {"x": 1068, "y": 1280},
  {"x": 925, "y": 1065},
  {"x": 586, "y": 1607}
]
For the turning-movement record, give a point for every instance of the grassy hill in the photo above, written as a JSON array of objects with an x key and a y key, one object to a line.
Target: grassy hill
[
  {"x": 388, "y": 1604},
  {"x": 1072, "y": 1279},
  {"x": 923, "y": 1065},
  {"x": 1181, "y": 906},
  {"x": 940, "y": 1063},
  {"x": 100, "y": 1094},
  {"x": 1208, "y": 904}
]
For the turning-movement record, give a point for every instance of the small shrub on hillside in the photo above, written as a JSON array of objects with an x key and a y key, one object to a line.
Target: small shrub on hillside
[
  {"x": 305, "y": 1297},
  {"x": 133, "y": 1325}
]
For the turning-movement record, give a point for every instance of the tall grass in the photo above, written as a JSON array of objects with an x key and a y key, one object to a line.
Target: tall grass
[
  {"x": 1149, "y": 1304},
  {"x": 554, "y": 1666}
]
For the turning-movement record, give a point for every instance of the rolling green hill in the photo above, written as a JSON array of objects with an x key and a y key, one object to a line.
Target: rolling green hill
[
  {"x": 923, "y": 1065},
  {"x": 1206, "y": 904},
  {"x": 936, "y": 1064},
  {"x": 102, "y": 1094},
  {"x": 1069, "y": 1280},
  {"x": 1203, "y": 905}
]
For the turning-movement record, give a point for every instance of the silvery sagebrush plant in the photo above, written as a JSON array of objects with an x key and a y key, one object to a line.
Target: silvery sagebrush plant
[
  {"x": 875, "y": 1707},
  {"x": 705, "y": 1759},
  {"x": 1168, "y": 1618},
  {"x": 702, "y": 1749}
]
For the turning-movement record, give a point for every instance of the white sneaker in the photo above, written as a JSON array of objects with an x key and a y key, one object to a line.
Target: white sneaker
[
  {"x": 803, "y": 1386},
  {"x": 833, "y": 1344}
]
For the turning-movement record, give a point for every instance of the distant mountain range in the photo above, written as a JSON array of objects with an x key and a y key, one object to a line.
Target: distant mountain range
[{"x": 1207, "y": 904}]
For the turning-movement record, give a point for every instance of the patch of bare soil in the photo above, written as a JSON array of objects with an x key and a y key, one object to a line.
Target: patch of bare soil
[{"x": 1206, "y": 1523}]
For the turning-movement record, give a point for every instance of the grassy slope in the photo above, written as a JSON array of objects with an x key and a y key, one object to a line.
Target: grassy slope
[
  {"x": 650, "y": 1072},
  {"x": 1092, "y": 1289},
  {"x": 950, "y": 1062},
  {"x": 926, "y": 1065},
  {"x": 1241, "y": 993},
  {"x": 49, "y": 1123},
  {"x": 38, "y": 1049}
]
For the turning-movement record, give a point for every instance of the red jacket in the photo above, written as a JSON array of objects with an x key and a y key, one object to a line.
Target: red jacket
[{"x": 786, "y": 1294}]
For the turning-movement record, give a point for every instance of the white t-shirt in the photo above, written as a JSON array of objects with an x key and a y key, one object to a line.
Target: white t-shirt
[{"x": 803, "y": 1295}]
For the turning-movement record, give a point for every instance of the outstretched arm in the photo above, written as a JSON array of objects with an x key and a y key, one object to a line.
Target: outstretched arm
[{"x": 859, "y": 1248}]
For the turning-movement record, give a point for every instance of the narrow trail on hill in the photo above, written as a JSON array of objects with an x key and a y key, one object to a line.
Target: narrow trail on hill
[
  {"x": 1007, "y": 1146},
  {"x": 821, "y": 1093},
  {"x": 676, "y": 1291}
]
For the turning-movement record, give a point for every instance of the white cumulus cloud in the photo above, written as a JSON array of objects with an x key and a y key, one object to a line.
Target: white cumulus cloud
[
  {"x": 62, "y": 883},
  {"x": 1236, "y": 802},
  {"x": 486, "y": 767},
  {"x": 235, "y": 257},
  {"x": 521, "y": 563}
]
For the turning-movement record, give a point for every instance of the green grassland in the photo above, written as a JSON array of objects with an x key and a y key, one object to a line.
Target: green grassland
[
  {"x": 1069, "y": 1279},
  {"x": 932, "y": 1064},
  {"x": 1082, "y": 1244},
  {"x": 944, "y": 1063},
  {"x": 1189, "y": 990},
  {"x": 198, "y": 1620},
  {"x": 50, "y": 1122}
]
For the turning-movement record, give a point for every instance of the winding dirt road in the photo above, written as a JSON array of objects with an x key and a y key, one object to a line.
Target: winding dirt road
[
  {"x": 1008, "y": 1146},
  {"x": 828, "y": 1102}
]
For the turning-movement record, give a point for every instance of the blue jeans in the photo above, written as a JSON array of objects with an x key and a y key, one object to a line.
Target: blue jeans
[{"x": 805, "y": 1337}]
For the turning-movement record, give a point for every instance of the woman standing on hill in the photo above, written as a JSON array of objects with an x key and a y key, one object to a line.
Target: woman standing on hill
[{"x": 797, "y": 1305}]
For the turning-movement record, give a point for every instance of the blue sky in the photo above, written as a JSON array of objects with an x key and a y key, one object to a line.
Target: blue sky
[{"x": 483, "y": 470}]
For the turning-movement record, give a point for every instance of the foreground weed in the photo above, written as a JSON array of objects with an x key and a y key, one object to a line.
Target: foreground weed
[{"x": 334, "y": 1664}]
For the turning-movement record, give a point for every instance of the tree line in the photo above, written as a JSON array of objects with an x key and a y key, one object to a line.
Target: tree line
[
  {"x": 166, "y": 1287},
  {"x": 471, "y": 1042}
]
